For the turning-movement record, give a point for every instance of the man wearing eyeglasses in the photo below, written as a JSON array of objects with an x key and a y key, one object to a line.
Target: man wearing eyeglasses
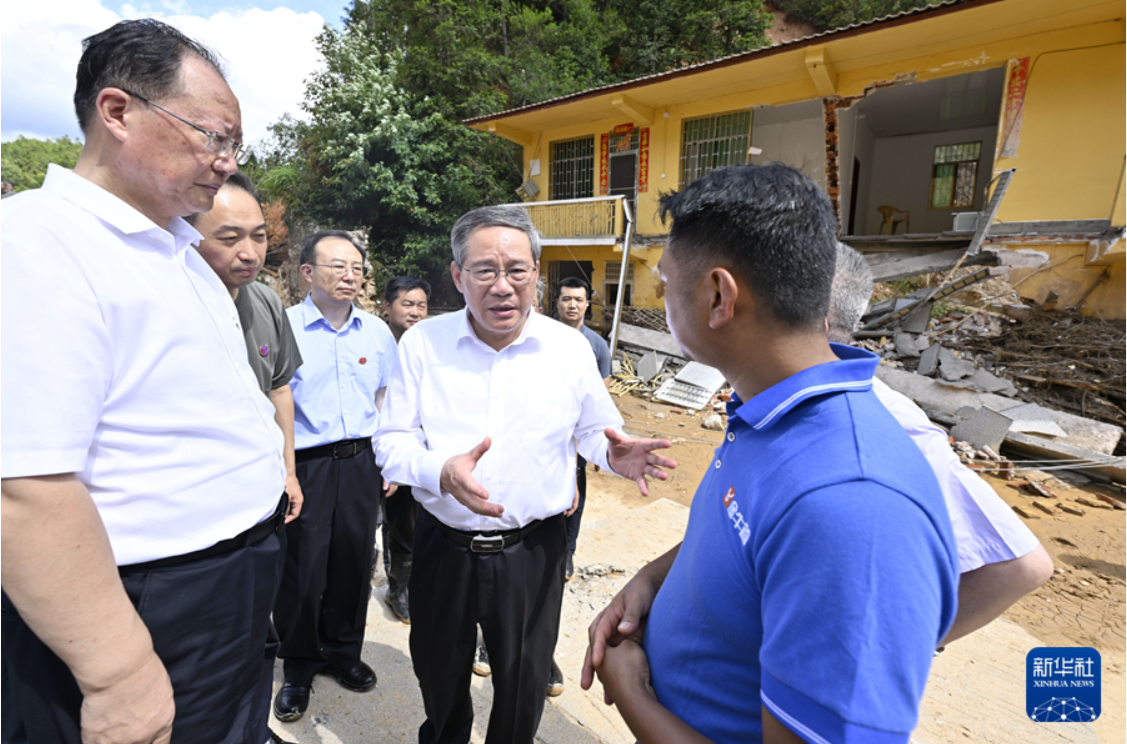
[
  {"x": 347, "y": 356},
  {"x": 485, "y": 412},
  {"x": 143, "y": 471}
]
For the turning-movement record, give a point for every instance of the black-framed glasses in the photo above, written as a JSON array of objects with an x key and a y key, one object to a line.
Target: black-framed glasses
[
  {"x": 218, "y": 144},
  {"x": 487, "y": 275},
  {"x": 340, "y": 269}
]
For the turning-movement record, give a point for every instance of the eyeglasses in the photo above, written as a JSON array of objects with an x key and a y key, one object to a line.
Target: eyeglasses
[
  {"x": 340, "y": 269},
  {"x": 487, "y": 275},
  {"x": 218, "y": 144}
]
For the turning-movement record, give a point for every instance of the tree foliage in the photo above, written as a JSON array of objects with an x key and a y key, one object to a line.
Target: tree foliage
[
  {"x": 825, "y": 15},
  {"x": 372, "y": 155},
  {"x": 383, "y": 145},
  {"x": 24, "y": 161}
]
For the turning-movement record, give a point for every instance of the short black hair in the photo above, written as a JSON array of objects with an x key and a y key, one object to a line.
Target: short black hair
[
  {"x": 237, "y": 180},
  {"x": 401, "y": 284},
  {"x": 144, "y": 56},
  {"x": 771, "y": 225},
  {"x": 309, "y": 248},
  {"x": 573, "y": 282}
]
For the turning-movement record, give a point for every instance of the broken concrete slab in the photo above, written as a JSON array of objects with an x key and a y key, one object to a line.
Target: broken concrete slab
[
  {"x": 647, "y": 339},
  {"x": 934, "y": 395},
  {"x": 649, "y": 365},
  {"x": 953, "y": 367},
  {"x": 906, "y": 345},
  {"x": 929, "y": 361},
  {"x": 983, "y": 428},
  {"x": 1112, "y": 468},
  {"x": 918, "y": 320},
  {"x": 989, "y": 383},
  {"x": 1032, "y": 419}
]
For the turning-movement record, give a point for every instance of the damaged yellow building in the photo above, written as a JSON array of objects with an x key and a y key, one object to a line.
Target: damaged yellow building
[{"x": 906, "y": 121}]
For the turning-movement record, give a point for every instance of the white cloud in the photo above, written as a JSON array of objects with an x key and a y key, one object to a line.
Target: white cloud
[{"x": 269, "y": 53}]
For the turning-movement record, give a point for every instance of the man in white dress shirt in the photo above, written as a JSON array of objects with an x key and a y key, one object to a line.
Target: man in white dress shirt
[
  {"x": 484, "y": 413},
  {"x": 143, "y": 470},
  {"x": 1000, "y": 560}
]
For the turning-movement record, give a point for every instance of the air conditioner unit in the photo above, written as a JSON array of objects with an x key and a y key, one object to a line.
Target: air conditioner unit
[
  {"x": 965, "y": 221},
  {"x": 528, "y": 190}
]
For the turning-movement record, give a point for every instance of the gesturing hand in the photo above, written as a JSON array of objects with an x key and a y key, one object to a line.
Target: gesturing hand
[
  {"x": 634, "y": 458},
  {"x": 457, "y": 480}
]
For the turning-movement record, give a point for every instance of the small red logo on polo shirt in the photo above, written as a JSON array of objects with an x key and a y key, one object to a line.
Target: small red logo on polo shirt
[
  {"x": 363, "y": 360},
  {"x": 730, "y": 495}
]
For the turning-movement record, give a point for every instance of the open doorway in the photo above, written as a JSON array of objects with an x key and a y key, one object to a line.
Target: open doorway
[{"x": 925, "y": 150}]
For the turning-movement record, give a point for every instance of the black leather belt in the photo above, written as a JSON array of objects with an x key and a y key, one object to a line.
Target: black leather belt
[
  {"x": 341, "y": 450},
  {"x": 274, "y": 523},
  {"x": 488, "y": 542}
]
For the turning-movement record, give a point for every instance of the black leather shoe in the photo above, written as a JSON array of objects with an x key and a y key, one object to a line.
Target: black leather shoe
[
  {"x": 359, "y": 677},
  {"x": 397, "y": 600},
  {"x": 291, "y": 702},
  {"x": 569, "y": 568},
  {"x": 555, "y": 681}
]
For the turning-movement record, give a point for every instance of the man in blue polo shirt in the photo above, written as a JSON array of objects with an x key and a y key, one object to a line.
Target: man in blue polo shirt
[{"x": 818, "y": 571}]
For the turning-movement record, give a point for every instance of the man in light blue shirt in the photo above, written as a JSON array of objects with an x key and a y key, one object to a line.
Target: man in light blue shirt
[{"x": 337, "y": 394}]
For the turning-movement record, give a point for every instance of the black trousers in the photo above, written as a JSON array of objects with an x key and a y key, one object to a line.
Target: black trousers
[
  {"x": 577, "y": 516},
  {"x": 401, "y": 511},
  {"x": 323, "y": 601},
  {"x": 515, "y": 596},
  {"x": 208, "y": 621}
]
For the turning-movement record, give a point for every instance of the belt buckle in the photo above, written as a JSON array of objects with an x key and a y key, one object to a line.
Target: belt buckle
[
  {"x": 344, "y": 450},
  {"x": 487, "y": 543}
]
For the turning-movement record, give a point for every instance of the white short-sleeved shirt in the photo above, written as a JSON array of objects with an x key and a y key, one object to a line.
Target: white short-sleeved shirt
[
  {"x": 986, "y": 529},
  {"x": 538, "y": 400},
  {"x": 123, "y": 362}
]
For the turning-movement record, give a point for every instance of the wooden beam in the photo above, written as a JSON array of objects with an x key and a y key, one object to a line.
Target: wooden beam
[
  {"x": 821, "y": 71},
  {"x": 521, "y": 137},
  {"x": 639, "y": 113}
]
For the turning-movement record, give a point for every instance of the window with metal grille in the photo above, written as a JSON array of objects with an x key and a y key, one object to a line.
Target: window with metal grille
[
  {"x": 954, "y": 175},
  {"x": 712, "y": 142},
  {"x": 573, "y": 169}
]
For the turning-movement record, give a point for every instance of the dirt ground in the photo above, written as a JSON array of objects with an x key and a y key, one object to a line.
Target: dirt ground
[{"x": 1082, "y": 605}]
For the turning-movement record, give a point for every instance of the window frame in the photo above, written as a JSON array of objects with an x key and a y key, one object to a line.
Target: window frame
[
  {"x": 737, "y": 142},
  {"x": 956, "y": 165},
  {"x": 575, "y": 175}
]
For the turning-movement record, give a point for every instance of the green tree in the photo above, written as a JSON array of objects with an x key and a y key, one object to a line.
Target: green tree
[
  {"x": 24, "y": 161},
  {"x": 830, "y": 14},
  {"x": 657, "y": 35},
  {"x": 372, "y": 155}
]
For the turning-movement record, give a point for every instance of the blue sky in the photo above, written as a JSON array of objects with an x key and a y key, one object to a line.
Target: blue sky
[{"x": 267, "y": 44}]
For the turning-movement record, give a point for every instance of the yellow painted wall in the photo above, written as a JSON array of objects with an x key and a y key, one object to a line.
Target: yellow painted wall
[
  {"x": 1066, "y": 274},
  {"x": 1070, "y": 155}
]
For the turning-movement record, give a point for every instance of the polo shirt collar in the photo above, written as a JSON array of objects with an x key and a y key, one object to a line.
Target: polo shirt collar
[
  {"x": 113, "y": 211},
  {"x": 527, "y": 332},
  {"x": 853, "y": 372},
  {"x": 310, "y": 314}
]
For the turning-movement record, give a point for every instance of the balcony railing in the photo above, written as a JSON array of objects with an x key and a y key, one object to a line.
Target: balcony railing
[{"x": 596, "y": 221}]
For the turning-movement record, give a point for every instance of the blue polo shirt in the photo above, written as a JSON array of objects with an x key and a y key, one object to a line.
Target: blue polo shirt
[
  {"x": 818, "y": 571},
  {"x": 334, "y": 390}
]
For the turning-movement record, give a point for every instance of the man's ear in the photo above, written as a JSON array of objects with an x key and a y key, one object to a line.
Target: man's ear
[
  {"x": 456, "y": 274},
  {"x": 723, "y": 291},
  {"x": 307, "y": 272},
  {"x": 114, "y": 108}
]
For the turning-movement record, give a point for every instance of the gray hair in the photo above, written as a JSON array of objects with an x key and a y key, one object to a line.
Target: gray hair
[
  {"x": 504, "y": 215},
  {"x": 849, "y": 298}
]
